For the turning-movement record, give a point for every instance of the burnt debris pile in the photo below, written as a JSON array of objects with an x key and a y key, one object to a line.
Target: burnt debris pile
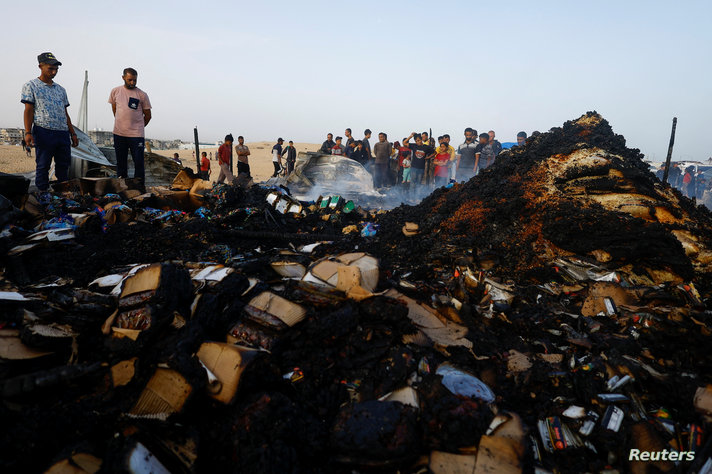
[
  {"x": 574, "y": 190},
  {"x": 552, "y": 313}
]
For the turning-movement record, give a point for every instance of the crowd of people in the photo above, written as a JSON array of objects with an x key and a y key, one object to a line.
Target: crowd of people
[
  {"x": 422, "y": 161},
  {"x": 280, "y": 154},
  {"x": 410, "y": 163},
  {"x": 691, "y": 181},
  {"x": 418, "y": 160}
]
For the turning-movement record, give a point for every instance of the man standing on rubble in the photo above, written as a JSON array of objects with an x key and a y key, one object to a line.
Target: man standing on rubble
[
  {"x": 465, "y": 156},
  {"x": 224, "y": 155},
  {"x": 366, "y": 146},
  {"x": 132, "y": 112},
  {"x": 349, "y": 138},
  {"x": 496, "y": 145},
  {"x": 382, "y": 150},
  {"x": 47, "y": 123},
  {"x": 327, "y": 145},
  {"x": 429, "y": 166},
  {"x": 243, "y": 165},
  {"x": 277, "y": 157},
  {"x": 484, "y": 153},
  {"x": 291, "y": 153},
  {"x": 421, "y": 154}
]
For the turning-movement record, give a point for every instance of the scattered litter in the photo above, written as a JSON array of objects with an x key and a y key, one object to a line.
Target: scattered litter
[
  {"x": 369, "y": 229},
  {"x": 460, "y": 382},
  {"x": 209, "y": 325},
  {"x": 410, "y": 229}
]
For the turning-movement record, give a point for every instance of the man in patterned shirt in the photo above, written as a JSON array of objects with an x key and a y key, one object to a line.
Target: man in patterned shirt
[{"x": 47, "y": 123}]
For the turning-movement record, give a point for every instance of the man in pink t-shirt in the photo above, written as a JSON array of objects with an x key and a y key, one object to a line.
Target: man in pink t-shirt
[{"x": 132, "y": 112}]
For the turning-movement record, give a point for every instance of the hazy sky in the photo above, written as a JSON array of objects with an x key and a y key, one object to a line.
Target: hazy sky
[{"x": 300, "y": 69}]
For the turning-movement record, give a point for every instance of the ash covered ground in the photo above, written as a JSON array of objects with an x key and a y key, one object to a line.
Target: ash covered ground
[{"x": 560, "y": 271}]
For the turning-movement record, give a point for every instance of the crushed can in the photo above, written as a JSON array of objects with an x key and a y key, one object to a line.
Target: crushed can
[
  {"x": 555, "y": 429},
  {"x": 589, "y": 424},
  {"x": 612, "y": 398},
  {"x": 612, "y": 418},
  {"x": 610, "y": 306},
  {"x": 336, "y": 202},
  {"x": 543, "y": 429}
]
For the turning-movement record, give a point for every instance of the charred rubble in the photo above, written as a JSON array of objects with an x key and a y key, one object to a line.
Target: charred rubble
[{"x": 551, "y": 314}]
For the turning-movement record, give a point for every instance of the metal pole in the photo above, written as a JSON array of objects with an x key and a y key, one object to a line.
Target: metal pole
[
  {"x": 231, "y": 171},
  {"x": 197, "y": 149},
  {"x": 83, "y": 119},
  {"x": 669, "y": 154}
]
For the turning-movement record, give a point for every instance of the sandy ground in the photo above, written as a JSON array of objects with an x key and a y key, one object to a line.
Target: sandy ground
[{"x": 14, "y": 160}]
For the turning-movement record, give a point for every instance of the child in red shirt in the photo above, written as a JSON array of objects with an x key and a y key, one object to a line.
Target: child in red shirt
[
  {"x": 204, "y": 166},
  {"x": 441, "y": 161},
  {"x": 403, "y": 153},
  {"x": 338, "y": 149}
]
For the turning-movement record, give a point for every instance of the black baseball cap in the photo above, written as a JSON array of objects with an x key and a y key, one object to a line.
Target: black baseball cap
[{"x": 48, "y": 58}]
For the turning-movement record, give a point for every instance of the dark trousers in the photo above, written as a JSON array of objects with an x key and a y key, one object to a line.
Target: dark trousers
[
  {"x": 416, "y": 175},
  {"x": 380, "y": 173},
  {"x": 243, "y": 168},
  {"x": 290, "y": 166},
  {"x": 122, "y": 145},
  {"x": 48, "y": 144},
  {"x": 277, "y": 168}
]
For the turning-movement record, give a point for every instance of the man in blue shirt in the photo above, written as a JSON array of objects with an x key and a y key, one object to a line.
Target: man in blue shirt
[{"x": 47, "y": 123}]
